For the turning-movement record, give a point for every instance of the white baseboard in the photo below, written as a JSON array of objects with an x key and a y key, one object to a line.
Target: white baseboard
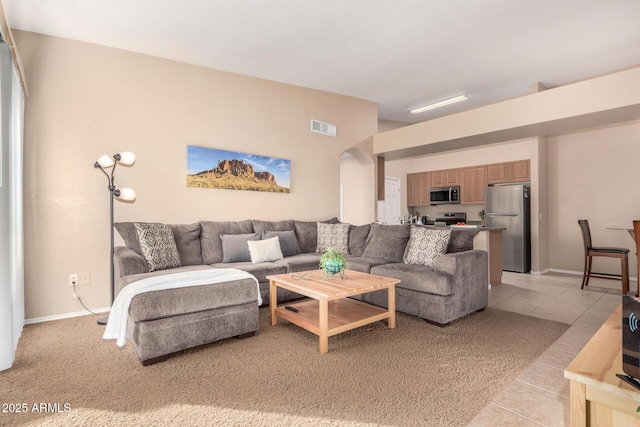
[
  {"x": 539, "y": 273},
  {"x": 64, "y": 316}
]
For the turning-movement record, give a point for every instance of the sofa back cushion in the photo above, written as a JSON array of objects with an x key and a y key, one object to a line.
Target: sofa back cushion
[
  {"x": 387, "y": 241},
  {"x": 357, "y": 238},
  {"x": 210, "y": 237},
  {"x": 187, "y": 238},
  {"x": 260, "y": 226},
  {"x": 287, "y": 238},
  {"x": 307, "y": 234},
  {"x": 461, "y": 239}
]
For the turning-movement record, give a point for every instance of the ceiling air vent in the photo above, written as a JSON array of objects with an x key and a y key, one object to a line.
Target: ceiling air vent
[{"x": 323, "y": 128}]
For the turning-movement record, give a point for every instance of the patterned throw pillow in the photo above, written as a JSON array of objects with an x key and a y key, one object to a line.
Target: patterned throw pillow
[
  {"x": 426, "y": 245},
  {"x": 333, "y": 236},
  {"x": 158, "y": 246}
]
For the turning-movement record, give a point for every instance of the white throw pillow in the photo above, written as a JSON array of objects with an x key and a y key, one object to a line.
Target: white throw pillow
[
  {"x": 158, "y": 246},
  {"x": 265, "y": 250},
  {"x": 333, "y": 236},
  {"x": 426, "y": 245}
]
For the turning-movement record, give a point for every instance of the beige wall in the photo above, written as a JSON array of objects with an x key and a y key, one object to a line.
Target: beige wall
[
  {"x": 593, "y": 175},
  {"x": 86, "y": 100}
]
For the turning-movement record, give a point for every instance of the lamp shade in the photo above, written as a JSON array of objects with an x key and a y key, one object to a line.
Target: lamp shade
[
  {"x": 105, "y": 161},
  {"x": 127, "y": 158},
  {"x": 126, "y": 194}
]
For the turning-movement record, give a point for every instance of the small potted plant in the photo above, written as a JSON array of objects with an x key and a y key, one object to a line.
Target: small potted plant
[
  {"x": 332, "y": 262},
  {"x": 481, "y": 215}
]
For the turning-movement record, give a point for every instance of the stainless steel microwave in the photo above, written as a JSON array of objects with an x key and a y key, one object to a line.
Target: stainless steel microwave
[{"x": 444, "y": 195}]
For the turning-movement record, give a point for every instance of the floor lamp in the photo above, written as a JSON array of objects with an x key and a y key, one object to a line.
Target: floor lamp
[{"x": 104, "y": 163}]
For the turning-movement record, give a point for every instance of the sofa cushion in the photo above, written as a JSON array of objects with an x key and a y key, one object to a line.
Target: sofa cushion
[
  {"x": 417, "y": 278},
  {"x": 426, "y": 245},
  {"x": 461, "y": 239},
  {"x": 187, "y": 237},
  {"x": 158, "y": 246},
  {"x": 210, "y": 237},
  {"x": 357, "y": 238},
  {"x": 300, "y": 262},
  {"x": 364, "y": 264},
  {"x": 192, "y": 299},
  {"x": 288, "y": 241},
  {"x": 387, "y": 241},
  {"x": 259, "y": 271},
  {"x": 307, "y": 234},
  {"x": 235, "y": 247},
  {"x": 188, "y": 242},
  {"x": 333, "y": 236},
  {"x": 260, "y": 226},
  {"x": 265, "y": 250}
]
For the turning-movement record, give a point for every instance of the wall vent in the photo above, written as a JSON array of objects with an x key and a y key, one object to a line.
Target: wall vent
[{"x": 323, "y": 128}]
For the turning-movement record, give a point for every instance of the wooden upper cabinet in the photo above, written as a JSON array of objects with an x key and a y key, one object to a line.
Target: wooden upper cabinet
[
  {"x": 473, "y": 183},
  {"x": 518, "y": 171},
  {"x": 445, "y": 177},
  {"x": 413, "y": 189},
  {"x": 425, "y": 187}
]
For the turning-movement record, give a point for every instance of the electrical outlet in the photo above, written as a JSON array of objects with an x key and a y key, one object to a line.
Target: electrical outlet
[
  {"x": 73, "y": 279},
  {"x": 85, "y": 279}
]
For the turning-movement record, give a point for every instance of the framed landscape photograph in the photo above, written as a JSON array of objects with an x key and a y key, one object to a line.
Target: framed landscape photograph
[{"x": 211, "y": 168}]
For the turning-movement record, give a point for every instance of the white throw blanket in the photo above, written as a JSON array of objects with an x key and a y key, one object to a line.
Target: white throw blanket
[{"x": 117, "y": 324}]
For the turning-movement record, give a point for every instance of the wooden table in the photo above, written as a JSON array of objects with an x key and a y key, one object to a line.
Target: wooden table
[
  {"x": 330, "y": 311},
  {"x": 598, "y": 397}
]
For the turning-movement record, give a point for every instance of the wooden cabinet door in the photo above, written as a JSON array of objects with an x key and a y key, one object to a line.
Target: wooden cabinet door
[
  {"x": 498, "y": 173},
  {"x": 474, "y": 181},
  {"x": 519, "y": 171},
  {"x": 413, "y": 189},
  {"x": 425, "y": 187},
  {"x": 453, "y": 177},
  {"x": 438, "y": 178}
]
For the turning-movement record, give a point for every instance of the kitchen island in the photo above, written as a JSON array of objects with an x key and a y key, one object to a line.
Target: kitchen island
[{"x": 490, "y": 240}]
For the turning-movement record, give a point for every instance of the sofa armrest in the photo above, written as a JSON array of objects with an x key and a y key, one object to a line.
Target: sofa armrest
[
  {"x": 127, "y": 261},
  {"x": 469, "y": 268}
]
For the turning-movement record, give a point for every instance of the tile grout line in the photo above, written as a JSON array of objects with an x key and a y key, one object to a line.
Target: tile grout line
[{"x": 517, "y": 414}]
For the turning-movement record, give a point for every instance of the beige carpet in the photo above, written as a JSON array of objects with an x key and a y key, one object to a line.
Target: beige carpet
[{"x": 417, "y": 374}]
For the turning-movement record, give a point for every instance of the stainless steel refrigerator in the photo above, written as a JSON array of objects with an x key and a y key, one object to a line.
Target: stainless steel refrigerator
[{"x": 507, "y": 206}]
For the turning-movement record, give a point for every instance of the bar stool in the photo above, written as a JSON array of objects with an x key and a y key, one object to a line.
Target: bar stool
[{"x": 590, "y": 251}]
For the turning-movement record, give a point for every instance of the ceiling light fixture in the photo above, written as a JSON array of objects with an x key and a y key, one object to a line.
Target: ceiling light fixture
[{"x": 440, "y": 104}]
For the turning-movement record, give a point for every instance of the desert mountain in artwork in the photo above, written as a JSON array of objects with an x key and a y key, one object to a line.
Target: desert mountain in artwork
[{"x": 235, "y": 175}]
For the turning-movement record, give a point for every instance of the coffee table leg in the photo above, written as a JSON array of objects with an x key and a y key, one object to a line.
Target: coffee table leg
[
  {"x": 273, "y": 301},
  {"x": 324, "y": 325},
  {"x": 391, "y": 303}
]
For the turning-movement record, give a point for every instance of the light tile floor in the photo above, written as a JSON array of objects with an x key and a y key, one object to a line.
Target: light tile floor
[{"x": 540, "y": 395}]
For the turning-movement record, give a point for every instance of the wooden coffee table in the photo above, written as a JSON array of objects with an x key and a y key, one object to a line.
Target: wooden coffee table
[{"x": 330, "y": 311}]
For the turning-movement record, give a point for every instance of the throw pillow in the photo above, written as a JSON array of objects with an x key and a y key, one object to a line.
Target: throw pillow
[
  {"x": 265, "y": 250},
  {"x": 158, "y": 246},
  {"x": 333, "y": 236},
  {"x": 426, "y": 245},
  {"x": 235, "y": 247},
  {"x": 307, "y": 234},
  {"x": 288, "y": 242}
]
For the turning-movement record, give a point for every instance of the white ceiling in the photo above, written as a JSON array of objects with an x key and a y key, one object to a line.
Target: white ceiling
[{"x": 399, "y": 54}]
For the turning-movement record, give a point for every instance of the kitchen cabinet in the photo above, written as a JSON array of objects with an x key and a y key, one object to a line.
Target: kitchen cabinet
[
  {"x": 473, "y": 183},
  {"x": 445, "y": 177},
  {"x": 499, "y": 173},
  {"x": 425, "y": 186},
  {"x": 413, "y": 189}
]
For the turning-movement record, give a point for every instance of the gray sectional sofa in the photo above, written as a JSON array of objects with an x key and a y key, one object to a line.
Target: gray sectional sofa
[{"x": 454, "y": 285}]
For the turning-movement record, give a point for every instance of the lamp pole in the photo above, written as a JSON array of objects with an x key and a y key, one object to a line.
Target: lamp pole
[{"x": 103, "y": 163}]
